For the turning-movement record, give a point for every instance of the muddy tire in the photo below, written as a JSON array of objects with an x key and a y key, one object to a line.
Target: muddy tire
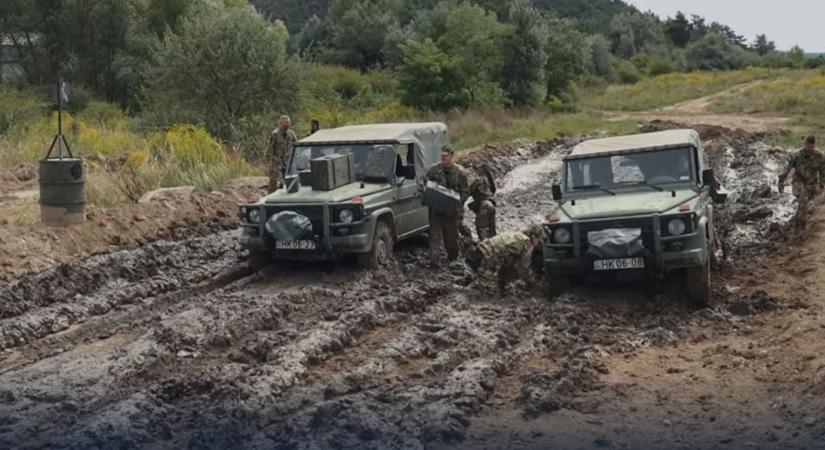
[
  {"x": 697, "y": 285},
  {"x": 382, "y": 247},
  {"x": 555, "y": 285}
]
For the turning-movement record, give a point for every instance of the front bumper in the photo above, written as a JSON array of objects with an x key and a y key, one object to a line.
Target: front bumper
[{"x": 662, "y": 254}]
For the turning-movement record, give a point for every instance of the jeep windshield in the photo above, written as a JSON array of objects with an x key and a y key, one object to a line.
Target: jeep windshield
[
  {"x": 649, "y": 170},
  {"x": 303, "y": 154}
]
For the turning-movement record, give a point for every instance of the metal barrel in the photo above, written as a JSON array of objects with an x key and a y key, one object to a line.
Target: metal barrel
[{"x": 62, "y": 191}]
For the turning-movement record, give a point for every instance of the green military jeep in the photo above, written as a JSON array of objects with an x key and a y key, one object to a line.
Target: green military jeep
[
  {"x": 327, "y": 210},
  {"x": 639, "y": 203}
]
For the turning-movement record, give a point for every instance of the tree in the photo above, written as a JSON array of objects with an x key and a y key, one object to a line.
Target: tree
[
  {"x": 522, "y": 74},
  {"x": 714, "y": 52},
  {"x": 601, "y": 60},
  {"x": 762, "y": 46},
  {"x": 358, "y": 31},
  {"x": 567, "y": 55},
  {"x": 796, "y": 57},
  {"x": 678, "y": 30},
  {"x": 224, "y": 65},
  {"x": 633, "y": 33},
  {"x": 429, "y": 78}
]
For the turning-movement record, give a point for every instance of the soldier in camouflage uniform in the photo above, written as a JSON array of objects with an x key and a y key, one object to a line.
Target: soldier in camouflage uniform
[
  {"x": 808, "y": 166},
  {"x": 277, "y": 153},
  {"x": 444, "y": 229},
  {"x": 482, "y": 189},
  {"x": 503, "y": 258}
]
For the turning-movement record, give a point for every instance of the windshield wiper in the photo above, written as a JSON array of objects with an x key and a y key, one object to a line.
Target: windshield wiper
[
  {"x": 645, "y": 183},
  {"x": 585, "y": 187}
]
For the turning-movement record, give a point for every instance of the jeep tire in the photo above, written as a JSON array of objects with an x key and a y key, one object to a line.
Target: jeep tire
[
  {"x": 258, "y": 259},
  {"x": 382, "y": 246},
  {"x": 697, "y": 285}
]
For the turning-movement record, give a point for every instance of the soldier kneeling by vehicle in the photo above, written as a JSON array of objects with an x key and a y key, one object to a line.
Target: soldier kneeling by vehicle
[{"x": 504, "y": 258}]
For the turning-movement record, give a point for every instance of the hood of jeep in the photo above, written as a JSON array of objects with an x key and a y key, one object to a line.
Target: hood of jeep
[
  {"x": 343, "y": 194},
  {"x": 632, "y": 204}
]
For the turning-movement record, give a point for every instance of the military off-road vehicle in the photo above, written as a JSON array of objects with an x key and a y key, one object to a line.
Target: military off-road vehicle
[
  {"x": 640, "y": 203},
  {"x": 349, "y": 190}
]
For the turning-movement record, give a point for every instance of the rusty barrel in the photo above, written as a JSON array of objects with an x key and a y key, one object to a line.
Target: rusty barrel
[{"x": 62, "y": 191}]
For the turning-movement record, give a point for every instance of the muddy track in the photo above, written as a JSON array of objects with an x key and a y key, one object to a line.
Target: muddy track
[{"x": 177, "y": 345}]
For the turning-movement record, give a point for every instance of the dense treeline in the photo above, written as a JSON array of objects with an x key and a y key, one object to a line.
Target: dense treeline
[{"x": 230, "y": 65}]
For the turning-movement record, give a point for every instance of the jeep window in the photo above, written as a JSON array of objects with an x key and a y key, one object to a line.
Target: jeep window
[
  {"x": 673, "y": 166},
  {"x": 303, "y": 154}
]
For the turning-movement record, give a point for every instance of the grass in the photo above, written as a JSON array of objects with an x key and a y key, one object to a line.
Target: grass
[
  {"x": 666, "y": 90},
  {"x": 798, "y": 95},
  {"x": 482, "y": 127}
]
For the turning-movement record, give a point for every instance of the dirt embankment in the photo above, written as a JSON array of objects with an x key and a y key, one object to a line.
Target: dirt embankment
[
  {"x": 171, "y": 345},
  {"x": 174, "y": 216}
]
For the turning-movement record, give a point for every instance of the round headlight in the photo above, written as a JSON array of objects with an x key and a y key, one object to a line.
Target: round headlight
[
  {"x": 676, "y": 227},
  {"x": 561, "y": 235},
  {"x": 254, "y": 215},
  {"x": 346, "y": 216}
]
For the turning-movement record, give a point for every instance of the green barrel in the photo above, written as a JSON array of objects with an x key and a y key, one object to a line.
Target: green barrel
[{"x": 62, "y": 191}]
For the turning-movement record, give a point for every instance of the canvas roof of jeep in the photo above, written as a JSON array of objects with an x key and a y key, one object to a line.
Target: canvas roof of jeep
[
  {"x": 402, "y": 133},
  {"x": 429, "y": 138},
  {"x": 636, "y": 143}
]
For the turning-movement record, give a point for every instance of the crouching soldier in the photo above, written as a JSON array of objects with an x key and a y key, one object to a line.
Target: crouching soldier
[{"x": 504, "y": 258}]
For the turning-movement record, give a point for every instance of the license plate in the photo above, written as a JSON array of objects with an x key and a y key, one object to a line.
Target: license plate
[
  {"x": 619, "y": 264},
  {"x": 295, "y": 245}
]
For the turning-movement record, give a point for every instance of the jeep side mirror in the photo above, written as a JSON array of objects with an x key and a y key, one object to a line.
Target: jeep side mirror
[
  {"x": 556, "y": 192},
  {"x": 708, "y": 178}
]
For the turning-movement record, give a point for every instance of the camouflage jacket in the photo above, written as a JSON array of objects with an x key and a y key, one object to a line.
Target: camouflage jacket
[
  {"x": 513, "y": 249},
  {"x": 480, "y": 189},
  {"x": 279, "y": 145},
  {"x": 808, "y": 168},
  {"x": 454, "y": 178}
]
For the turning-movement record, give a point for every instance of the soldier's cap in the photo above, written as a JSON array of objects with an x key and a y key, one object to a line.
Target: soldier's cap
[
  {"x": 284, "y": 117},
  {"x": 447, "y": 150},
  {"x": 810, "y": 140}
]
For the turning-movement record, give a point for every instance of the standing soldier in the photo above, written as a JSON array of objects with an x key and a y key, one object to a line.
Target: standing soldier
[
  {"x": 504, "y": 258},
  {"x": 482, "y": 189},
  {"x": 444, "y": 228},
  {"x": 314, "y": 126},
  {"x": 808, "y": 166},
  {"x": 277, "y": 154}
]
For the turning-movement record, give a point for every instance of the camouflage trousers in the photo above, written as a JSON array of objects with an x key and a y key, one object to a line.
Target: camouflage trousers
[
  {"x": 485, "y": 219},
  {"x": 804, "y": 198},
  {"x": 495, "y": 273},
  {"x": 444, "y": 235},
  {"x": 275, "y": 172}
]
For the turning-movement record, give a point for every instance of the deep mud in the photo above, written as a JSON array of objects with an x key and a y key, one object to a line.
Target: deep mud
[{"x": 175, "y": 345}]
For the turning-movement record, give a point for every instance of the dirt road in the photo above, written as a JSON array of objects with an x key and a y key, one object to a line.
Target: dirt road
[
  {"x": 175, "y": 344},
  {"x": 698, "y": 112}
]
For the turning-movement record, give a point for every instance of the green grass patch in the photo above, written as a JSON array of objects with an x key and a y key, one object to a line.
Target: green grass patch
[{"x": 666, "y": 90}]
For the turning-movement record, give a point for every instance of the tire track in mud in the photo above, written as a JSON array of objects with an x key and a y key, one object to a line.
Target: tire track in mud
[{"x": 49, "y": 302}]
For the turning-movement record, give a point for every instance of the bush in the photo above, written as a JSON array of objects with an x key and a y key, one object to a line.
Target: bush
[
  {"x": 627, "y": 72},
  {"x": 18, "y": 107}
]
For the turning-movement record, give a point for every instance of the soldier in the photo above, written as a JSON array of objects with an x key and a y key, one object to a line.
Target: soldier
[
  {"x": 277, "y": 154},
  {"x": 808, "y": 166},
  {"x": 314, "y": 126},
  {"x": 505, "y": 257},
  {"x": 444, "y": 228},
  {"x": 482, "y": 189}
]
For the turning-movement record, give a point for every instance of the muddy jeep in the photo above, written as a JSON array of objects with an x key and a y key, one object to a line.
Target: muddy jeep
[
  {"x": 349, "y": 190},
  {"x": 639, "y": 203}
]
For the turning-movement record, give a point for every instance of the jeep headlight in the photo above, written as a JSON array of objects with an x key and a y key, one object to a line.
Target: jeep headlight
[
  {"x": 346, "y": 216},
  {"x": 562, "y": 235},
  {"x": 254, "y": 215},
  {"x": 676, "y": 227}
]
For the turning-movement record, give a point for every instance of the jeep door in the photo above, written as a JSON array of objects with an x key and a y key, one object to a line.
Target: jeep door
[{"x": 410, "y": 215}]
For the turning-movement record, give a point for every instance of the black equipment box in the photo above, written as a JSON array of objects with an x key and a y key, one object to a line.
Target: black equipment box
[
  {"x": 441, "y": 200},
  {"x": 332, "y": 171}
]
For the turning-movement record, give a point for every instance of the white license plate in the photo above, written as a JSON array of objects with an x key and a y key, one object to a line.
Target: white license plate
[
  {"x": 619, "y": 264},
  {"x": 295, "y": 245}
]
